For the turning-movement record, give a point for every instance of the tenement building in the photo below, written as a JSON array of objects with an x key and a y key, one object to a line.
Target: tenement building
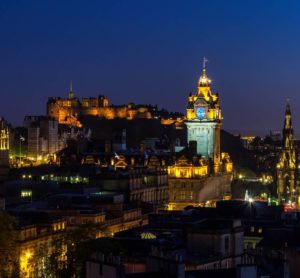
[
  {"x": 69, "y": 110},
  {"x": 287, "y": 189},
  {"x": 200, "y": 173},
  {"x": 140, "y": 178}
]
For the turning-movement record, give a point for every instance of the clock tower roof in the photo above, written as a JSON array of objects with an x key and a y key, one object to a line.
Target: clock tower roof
[{"x": 204, "y": 81}]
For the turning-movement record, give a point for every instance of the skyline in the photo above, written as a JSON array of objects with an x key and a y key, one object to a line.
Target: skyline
[{"x": 152, "y": 53}]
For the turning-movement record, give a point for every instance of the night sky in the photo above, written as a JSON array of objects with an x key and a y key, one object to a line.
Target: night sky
[{"x": 151, "y": 52}]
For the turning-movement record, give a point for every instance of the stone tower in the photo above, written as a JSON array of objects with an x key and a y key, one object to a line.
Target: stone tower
[
  {"x": 286, "y": 166},
  {"x": 204, "y": 119}
]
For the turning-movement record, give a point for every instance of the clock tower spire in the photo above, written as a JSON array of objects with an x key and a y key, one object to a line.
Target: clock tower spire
[
  {"x": 204, "y": 81},
  {"x": 204, "y": 120}
]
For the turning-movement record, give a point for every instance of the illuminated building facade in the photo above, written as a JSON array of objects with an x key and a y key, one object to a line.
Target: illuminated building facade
[
  {"x": 189, "y": 168},
  {"x": 287, "y": 164},
  {"x": 204, "y": 121},
  {"x": 38, "y": 243},
  {"x": 67, "y": 111},
  {"x": 200, "y": 173},
  {"x": 4, "y": 142},
  {"x": 192, "y": 183}
]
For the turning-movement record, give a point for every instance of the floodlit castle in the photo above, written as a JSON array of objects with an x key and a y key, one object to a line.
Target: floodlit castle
[{"x": 69, "y": 110}]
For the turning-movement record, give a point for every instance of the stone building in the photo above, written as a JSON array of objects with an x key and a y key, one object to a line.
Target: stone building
[
  {"x": 141, "y": 177},
  {"x": 42, "y": 133},
  {"x": 191, "y": 181}
]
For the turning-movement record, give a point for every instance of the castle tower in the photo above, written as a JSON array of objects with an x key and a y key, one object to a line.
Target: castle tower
[
  {"x": 204, "y": 120},
  {"x": 286, "y": 166}
]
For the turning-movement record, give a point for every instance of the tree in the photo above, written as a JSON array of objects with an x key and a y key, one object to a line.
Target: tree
[
  {"x": 9, "y": 260},
  {"x": 75, "y": 253}
]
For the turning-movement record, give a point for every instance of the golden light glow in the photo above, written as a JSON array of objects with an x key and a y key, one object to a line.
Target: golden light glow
[
  {"x": 184, "y": 169},
  {"x": 204, "y": 93},
  {"x": 26, "y": 193},
  {"x": 26, "y": 264}
]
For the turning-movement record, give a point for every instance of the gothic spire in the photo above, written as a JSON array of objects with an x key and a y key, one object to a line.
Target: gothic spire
[
  {"x": 288, "y": 108},
  {"x": 288, "y": 116}
]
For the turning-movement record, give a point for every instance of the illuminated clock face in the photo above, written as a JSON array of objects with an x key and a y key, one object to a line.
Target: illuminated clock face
[{"x": 200, "y": 112}]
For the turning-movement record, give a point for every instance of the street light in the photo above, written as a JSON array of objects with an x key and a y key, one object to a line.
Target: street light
[{"x": 22, "y": 139}]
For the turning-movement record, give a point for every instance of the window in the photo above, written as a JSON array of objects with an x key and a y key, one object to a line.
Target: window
[{"x": 182, "y": 195}]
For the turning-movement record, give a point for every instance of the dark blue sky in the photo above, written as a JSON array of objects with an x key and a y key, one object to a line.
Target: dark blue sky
[{"x": 151, "y": 52}]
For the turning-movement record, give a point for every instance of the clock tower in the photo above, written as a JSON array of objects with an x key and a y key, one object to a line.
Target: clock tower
[{"x": 204, "y": 120}]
